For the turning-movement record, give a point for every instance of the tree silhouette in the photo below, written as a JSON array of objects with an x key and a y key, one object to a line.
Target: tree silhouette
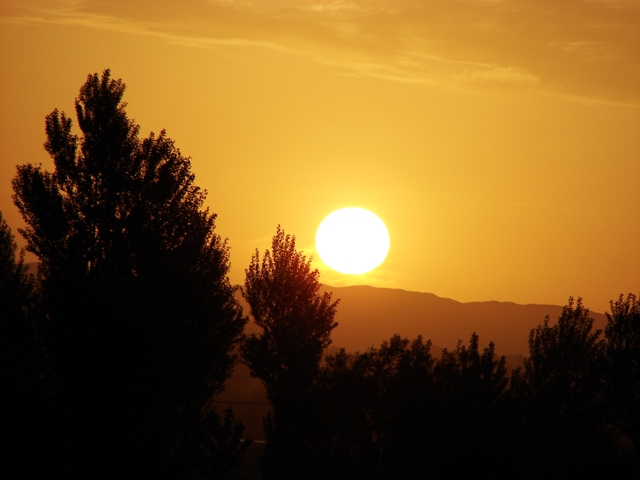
[
  {"x": 346, "y": 415},
  {"x": 216, "y": 450},
  {"x": 26, "y": 395},
  {"x": 17, "y": 295},
  {"x": 285, "y": 301},
  {"x": 470, "y": 405},
  {"x": 142, "y": 320},
  {"x": 379, "y": 403},
  {"x": 388, "y": 412},
  {"x": 622, "y": 347},
  {"x": 560, "y": 394}
]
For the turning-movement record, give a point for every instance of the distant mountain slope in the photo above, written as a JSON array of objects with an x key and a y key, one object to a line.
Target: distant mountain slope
[{"x": 368, "y": 315}]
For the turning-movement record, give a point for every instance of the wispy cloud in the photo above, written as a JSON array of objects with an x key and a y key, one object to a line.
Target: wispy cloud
[
  {"x": 499, "y": 75},
  {"x": 574, "y": 51},
  {"x": 164, "y": 31}
]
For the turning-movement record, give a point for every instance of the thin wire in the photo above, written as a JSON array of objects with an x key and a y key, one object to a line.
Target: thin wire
[{"x": 243, "y": 403}]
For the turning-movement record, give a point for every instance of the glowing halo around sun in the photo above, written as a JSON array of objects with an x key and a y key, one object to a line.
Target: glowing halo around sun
[{"x": 352, "y": 240}]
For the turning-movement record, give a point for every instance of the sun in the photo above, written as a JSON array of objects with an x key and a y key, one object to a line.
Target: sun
[{"x": 352, "y": 240}]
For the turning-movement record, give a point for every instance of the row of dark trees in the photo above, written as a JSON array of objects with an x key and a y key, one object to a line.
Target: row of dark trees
[
  {"x": 397, "y": 411},
  {"x": 113, "y": 354},
  {"x": 571, "y": 410}
]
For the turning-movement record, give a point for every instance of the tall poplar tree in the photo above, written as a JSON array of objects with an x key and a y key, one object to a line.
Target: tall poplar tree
[
  {"x": 284, "y": 297},
  {"x": 142, "y": 319}
]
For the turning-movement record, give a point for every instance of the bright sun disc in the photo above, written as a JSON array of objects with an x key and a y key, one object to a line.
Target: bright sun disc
[{"x": 352, "y": 240}]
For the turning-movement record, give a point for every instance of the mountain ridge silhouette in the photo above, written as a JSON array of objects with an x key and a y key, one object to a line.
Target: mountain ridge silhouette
[{"x": 368, "y": 315}]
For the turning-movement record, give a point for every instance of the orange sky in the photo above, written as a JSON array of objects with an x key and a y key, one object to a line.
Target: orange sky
[{"x": 498, "y": 140}]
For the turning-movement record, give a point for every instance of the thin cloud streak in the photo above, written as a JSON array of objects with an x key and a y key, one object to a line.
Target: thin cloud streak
[
  {"x": 115, "y": 24},
  {"x": 394, "y": 70},
  {"x": 468, "y": 44}
]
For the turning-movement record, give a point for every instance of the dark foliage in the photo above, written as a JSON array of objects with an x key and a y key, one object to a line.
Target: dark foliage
[
  {"x": 560, "y": 396},
  {"x": 141, "y": 317},
  {"x": 285, "y": 301},
  {"x": 622, "y": 370},
  {"x": 214, "y": 446},
  {"x": 20, "y": 352},
  {"x": 26, "y": 390},
  {"x": 398, "y": 412},
  {"x": 393, "y": 411}
]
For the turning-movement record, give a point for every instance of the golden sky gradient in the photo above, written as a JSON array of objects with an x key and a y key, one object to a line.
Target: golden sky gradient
[{"x": 498, "y": 140}]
